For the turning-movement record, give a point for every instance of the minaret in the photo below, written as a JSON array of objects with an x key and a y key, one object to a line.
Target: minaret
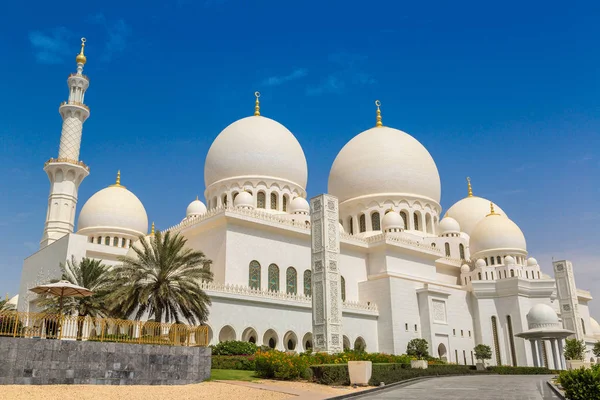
[{"x": 66, "y": 172}]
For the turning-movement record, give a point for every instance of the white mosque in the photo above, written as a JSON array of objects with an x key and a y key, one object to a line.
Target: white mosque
[{"x": 408, "y": 270}]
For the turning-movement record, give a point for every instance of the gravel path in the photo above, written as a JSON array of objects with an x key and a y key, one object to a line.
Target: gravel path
[{"x": 206, "y": 390}]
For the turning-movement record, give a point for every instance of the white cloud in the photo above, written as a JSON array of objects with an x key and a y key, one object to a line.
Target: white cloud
[
  {"x": 298, "y": 73},
  {"x": 50, "y": 48}
]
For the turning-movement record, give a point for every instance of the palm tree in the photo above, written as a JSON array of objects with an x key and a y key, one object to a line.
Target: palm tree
[
  {"x": 6, "y": 306},
  {"x": 164, "y": 281},
  {"x": 90, "y": 274}
]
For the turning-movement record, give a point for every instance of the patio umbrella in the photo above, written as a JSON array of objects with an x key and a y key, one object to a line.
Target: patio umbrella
[{"x": 62, "y": 289}]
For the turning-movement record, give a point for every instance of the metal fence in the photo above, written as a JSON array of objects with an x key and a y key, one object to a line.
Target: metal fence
[{"x": 65, "y": 327}]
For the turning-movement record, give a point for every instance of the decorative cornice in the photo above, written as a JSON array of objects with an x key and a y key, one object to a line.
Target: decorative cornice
[{"x": 68, "y": 161}]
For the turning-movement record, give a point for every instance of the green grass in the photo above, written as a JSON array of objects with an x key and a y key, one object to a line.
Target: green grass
[{"x": 232, "y": 375}]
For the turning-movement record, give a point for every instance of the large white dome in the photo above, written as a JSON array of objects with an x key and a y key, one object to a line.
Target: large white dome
[
  {"x": 256, "y": 147},
  {"x": 113, "y": 208},
  {"x": 384, "y": 160},
  {"x": 469, "y": 211},
  {"x": 497, "y": 232}
]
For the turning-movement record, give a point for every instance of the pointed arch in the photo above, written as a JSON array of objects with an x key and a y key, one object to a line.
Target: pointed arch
[
  {"x": 375, "y": 221},
  {"x": 351, "y": 226},
  {"x": 461, "y": 250},
  {"x": 416, "y": 216},
  {"x": 496, "y": 341},
  {"x": 273, "y": 278},
  {"x": 274, "y": 200},
  {"x": 285, "y": 202},
  {"x": 308, "y": 282},
  {"x": 291, "y": 281},
  {"x": 362, "y": 222},
  {"x": 254, "y": 275},
  {"x": 447, "y": 247},
  {"x": 261, "y": 200}
]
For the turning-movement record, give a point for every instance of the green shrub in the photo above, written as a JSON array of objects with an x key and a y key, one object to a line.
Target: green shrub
[
  {"x": 280, "y": 365},
  {"x": 245, "y": 363},
  {"x": 596, "y": 349},
  {"x": 418, "y": 348},
  {"x": 581, "y": 384},
  {"x": 234, "y": 348},
  {"x": 574, "y": 349},
  {"x": 483, "y": 352},
  {"x": 506, "y": 370},
  {"x": 331, "y": 374}
]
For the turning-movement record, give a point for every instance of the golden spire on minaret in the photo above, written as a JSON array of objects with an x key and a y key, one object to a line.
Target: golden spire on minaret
[
  {"x": 118, "y": 181},
  {"x": 470, "y": 189},
  {"x": 378, "y": 123},
  {"x": 152, "y": 230},
  {"x": 257, "y": 104},
  {"x": 81, "y": 57}
]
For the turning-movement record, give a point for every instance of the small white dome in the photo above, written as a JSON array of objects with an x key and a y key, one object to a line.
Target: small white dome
[
  {"x": 470, "y": 210},
  {"x": 531, "y": 262},
  {"x": 509, "y": 260},
  {"x": 244, "y": 200},
  {"x": 480, "y": 263},
  {"x": 299, "y": 206},
  {"x": 497, "y": 232},
  {"x": 256, "y": 147},
  {"x": 465, "y": 269},
  {"x": 595, "y": 327},
  {"x": 112, "y": 208},
  {"x": 392, "y": 220},
  {"x": 384, "y": 160},
  {"x": 449, "y": 225},
  {"x": 542, "y": 316},
  {"x": 342, "y": 228},
  {"x": 195, "y": 208}
]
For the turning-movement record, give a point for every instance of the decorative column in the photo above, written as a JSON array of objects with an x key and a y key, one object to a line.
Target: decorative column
[
  {"x": 561, "y": 354},
  {"x": 541, "y": 354},
  {"x": 66, "y": 172},
  {"x": 326, "y": 286},
  {"x": 554, "y": 354},
  {"x": 534, "y": 353}
]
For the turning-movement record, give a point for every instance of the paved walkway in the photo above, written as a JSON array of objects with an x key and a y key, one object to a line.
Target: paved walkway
[{"x": 485, "y": 387}]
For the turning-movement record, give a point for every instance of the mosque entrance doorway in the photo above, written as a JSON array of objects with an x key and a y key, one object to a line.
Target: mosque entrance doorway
[{"x": 442, "y": 352}]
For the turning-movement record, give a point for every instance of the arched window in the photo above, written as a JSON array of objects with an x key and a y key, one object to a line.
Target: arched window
[
  {"x": 273, "y": 201},
  {"x": 115, "y": 241},
  {"x": 234, "y": 195},
  {"x": 285, "y": 201},
  {"x": 416, "y": 221},
  {"x": 447, "y": 246},
  {"x": 513, "y": 352},
  {"x": 123, "y": 242},
  {"x": 498, "y": 260},
  {"x": 254, "y": 275},
  {"x": 343, "y": 282},
  {"x": 479, "y": 275},
  {"x": 539, "y": 275},
  {"x": 224, "y": 200},
  {"x": 583, "y": 326},
  {"x": 260, "y": 200},
  {"x": 492, "y": 260},
  {"x": 461, "y": 250},
  {"x": 512, "y": 273},
  {"x": 527, "y": 274},
  {"x": 376, "y": 221},
  {"x": 404, "y": 218},
  {"x": 362, "y": 223},
  {"x": 308, "y": 282},
  {"x": 273, "y": 278},
  {"x": 351, "y": 225},
  {"x": 291, "y": 281},
  {"x": 107, "y": 240},
  {"x": 496, "y": 341}
]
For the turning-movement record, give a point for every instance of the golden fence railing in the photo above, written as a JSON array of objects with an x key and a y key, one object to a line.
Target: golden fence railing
[{"x": 53, "y": 326}]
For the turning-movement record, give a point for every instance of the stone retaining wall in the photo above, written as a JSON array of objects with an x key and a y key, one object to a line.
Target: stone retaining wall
[{"x": 46, "y": 361}]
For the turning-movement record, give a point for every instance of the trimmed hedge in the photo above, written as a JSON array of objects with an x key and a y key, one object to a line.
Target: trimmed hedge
[
  {"x": 581, "y": 384},
  {"x": 331, "y": 374},
  {"x": 506, "y": 370},
  {"x": 245, "y": 363}
]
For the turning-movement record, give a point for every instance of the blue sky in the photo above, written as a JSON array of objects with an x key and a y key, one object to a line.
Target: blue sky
[{"x": 506, "y": 93}]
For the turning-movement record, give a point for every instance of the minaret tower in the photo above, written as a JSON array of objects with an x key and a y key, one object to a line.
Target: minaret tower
[{"x": 66, "y": 172}]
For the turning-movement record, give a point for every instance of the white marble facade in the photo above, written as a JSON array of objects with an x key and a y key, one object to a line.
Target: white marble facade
[{"x": 404, "y": 270}]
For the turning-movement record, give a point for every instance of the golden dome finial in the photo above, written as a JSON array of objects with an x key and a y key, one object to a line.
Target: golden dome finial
[
  {"x": 152, "y": 230},
  {"x": 378, "y": 123},
  {"x": 469, "y": 188},
  {"x": 81, "y": 57},
  {"x": 492, "y": 212},
  {"x": 118, "y": 181},
  {"x": 257, "y": 104}
]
